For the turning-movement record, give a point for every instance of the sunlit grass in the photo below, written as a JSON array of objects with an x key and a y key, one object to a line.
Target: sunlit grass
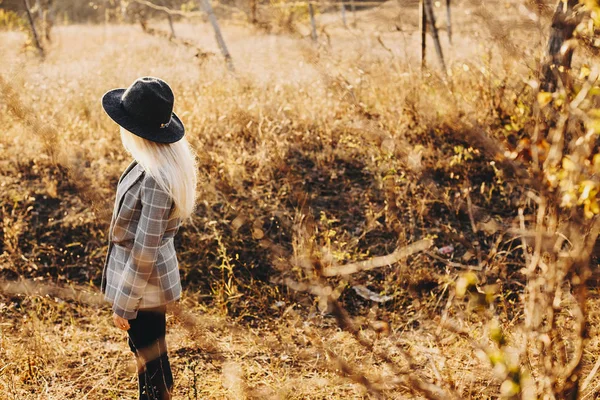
[{"x": 309, "y": 155}]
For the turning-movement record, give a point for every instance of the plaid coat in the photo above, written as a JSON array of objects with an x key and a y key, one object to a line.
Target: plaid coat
[{"x": 141, "y": 268}]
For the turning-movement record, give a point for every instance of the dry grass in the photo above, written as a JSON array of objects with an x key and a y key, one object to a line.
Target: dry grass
[{"x": 310, "y": 157}]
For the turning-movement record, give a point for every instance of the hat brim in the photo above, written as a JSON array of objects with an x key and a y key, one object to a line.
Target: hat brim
[{"x": 111, "y": 102}]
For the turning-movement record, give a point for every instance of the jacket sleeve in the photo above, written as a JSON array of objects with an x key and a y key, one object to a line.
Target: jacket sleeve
[{"x": 156, "y": 207}]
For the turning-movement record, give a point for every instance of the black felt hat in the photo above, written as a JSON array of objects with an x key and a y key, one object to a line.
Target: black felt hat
[{"x": 145, "y": 109}]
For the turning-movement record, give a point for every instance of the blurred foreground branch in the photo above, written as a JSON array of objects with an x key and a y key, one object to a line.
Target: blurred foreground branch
[
  {"x": 27, "y": 287},
  {"x": 377, "y": 262}
]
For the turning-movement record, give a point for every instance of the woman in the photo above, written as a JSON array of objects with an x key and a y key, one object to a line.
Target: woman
[{"x": 154, "y": 195}]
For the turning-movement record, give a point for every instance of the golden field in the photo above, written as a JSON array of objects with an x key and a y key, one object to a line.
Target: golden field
[{"x": 311, "y": 156}]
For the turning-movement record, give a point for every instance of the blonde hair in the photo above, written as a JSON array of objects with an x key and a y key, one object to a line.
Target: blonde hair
[{"x": 173, "y": 167}]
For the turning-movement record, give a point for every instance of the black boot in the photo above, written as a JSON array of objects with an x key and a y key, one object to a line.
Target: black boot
[
  {"x": 146, "y": 391},
  {"x": 156, "y": 382},
  {"x": 147, "y": 341}
]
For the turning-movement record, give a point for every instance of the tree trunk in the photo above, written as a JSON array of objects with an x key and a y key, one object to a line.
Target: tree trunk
[
  {"x": 215, "y": 24},
  {"x": 171, "y": 27},
  {"x": 449, "y": 20},
  {"x": 253, "y": 8},
  {"x": 40, "y": 17},
  {"x": 165, "y": 3},
  {"x": 49, "y": 19},
  {"x": 343, "y": 7},
  {"x": 33, "y": 31},
  {"x": 313, "y": 24},
  {"x": 434, "y": 33},
  {"x": 353, "y": 8},
  {"x": 423, "y": 30},
  {"x": 558, "y": 62}
]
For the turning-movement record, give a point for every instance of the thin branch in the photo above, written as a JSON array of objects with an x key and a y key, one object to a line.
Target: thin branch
[
  {"x": 169, "y": 11},
  {"x": 377, "y": 262}
]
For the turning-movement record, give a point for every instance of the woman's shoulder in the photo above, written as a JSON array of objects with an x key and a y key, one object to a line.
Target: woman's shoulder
[{"x": 152, "y": 187}]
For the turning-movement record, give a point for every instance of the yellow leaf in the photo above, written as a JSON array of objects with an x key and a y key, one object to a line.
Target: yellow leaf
[
  {"x": 567, "y": 200},
  {"x": 587, "y": 210},
  {"x": 544, "y": 98},
  {"x": 496, "y": 357},
  {"x": 465, "y": 283},
  {"x": 584, "y": 72},
  {"x": 496, "y": 333},
  {"x": 568, "y": 164},
  {"x": 596, "y": 162},
  {"x": 509, "y": 389},
  {"x": 594, "y": 207},
  {"x": 594, "y": 125},
  {"x": 586, "y": 188}
]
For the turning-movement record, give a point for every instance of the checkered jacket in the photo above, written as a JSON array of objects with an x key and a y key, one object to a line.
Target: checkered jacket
[{"x": 141, "y": 269}]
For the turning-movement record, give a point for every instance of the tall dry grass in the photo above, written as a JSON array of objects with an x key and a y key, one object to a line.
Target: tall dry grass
[{"x": 312, "y": 160}]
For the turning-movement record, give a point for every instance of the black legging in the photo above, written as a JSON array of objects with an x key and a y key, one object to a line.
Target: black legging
[{"x": 147, "y": 341}]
